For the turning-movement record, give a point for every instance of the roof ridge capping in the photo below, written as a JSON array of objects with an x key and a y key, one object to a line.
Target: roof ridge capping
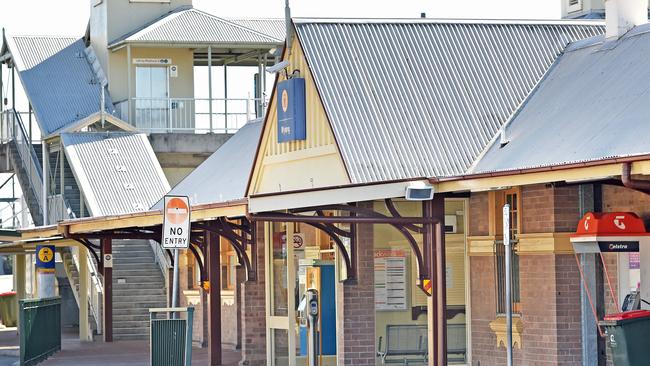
[
  {"x": 231, "y": 22},
  {"x": 639, "y": 30},
  {"x": 593, "y": 22}
]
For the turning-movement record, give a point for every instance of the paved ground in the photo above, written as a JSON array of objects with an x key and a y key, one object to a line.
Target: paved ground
[{"x": 122, "y": 353}]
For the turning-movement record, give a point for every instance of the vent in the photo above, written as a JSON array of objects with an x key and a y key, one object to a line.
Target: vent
[{"x": 574, "y": 5}]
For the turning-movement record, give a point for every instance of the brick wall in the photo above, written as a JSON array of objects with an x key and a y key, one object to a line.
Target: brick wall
[
  {"x": 253, "y": 322},
  {"x": 549, "y": 284},
  {"x": 356, "y": 302},
  {"x": 478, "y": 218}
]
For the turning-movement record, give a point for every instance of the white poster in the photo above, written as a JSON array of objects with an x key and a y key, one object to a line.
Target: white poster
[{"x": 390, "y": 280}]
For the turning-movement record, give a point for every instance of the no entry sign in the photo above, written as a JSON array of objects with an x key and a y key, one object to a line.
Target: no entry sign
[{"x": 176, "y": 224}]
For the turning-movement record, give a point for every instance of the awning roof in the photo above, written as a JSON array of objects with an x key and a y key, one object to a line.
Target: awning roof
[
  {"x": 423, "y": 98},
  {"x": 189, "y": 26},
  {"x": 223, "y": 176},
  {"x": 118, "y": 171},
  {"x": 592, "y": 105}
]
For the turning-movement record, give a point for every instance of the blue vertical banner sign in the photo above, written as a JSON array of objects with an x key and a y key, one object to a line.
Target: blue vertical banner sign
[
  {"x": 45, "y": 271},
  {"x": 291, "y": 110}
]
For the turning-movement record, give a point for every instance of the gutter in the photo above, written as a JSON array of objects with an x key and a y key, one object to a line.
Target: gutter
[{"x": 629, "y": 182}]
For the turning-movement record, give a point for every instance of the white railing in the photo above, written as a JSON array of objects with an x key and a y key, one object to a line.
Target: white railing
[
  {"x": 58, "y": 209},
  {"x": 12, "y": 129},
  {"x": 190, "y": 115},
  {"x": 95, "y": 290}
]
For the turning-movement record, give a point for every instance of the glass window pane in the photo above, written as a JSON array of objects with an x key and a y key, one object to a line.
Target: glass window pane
[
  {"x": 279, "y": 258},
  {"x": 280, "y": 338}
]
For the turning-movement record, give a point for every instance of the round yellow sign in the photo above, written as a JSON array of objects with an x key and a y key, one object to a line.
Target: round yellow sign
[
  {"x": 45, "y": 255},
  {"x": 285, "y": 100}
]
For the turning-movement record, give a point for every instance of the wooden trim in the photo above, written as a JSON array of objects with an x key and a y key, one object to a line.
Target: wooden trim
[
  {"x": 481, "y": 245},
  {"x": 544, "y": 243}
]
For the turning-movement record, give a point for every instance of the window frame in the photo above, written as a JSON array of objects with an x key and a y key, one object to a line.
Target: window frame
[
  {"x": 575, "y": 7},
  {"x": 499, "y": 255}
]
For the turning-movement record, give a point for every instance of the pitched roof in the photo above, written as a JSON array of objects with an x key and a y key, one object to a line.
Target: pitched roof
[
  {"x": 226, "y": 170},
  {"x": 191, "y": 26},
  {"x": 592, "y": 105},
  {"x": 423, "y": 98},
  {"x": 274, "y": 27},
  {"x": 118, "y": 171},
  {"x": 58, "y": 79}
]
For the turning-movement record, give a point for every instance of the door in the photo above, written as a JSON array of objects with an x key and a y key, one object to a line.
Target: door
[{"x": 152, "y": 98}]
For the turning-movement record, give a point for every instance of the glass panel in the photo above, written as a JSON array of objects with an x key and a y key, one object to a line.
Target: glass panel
[
  {"x": 279, "y": 263},
  {"x": 151, "y": 91},
  {"x": 280, "y": 339}
]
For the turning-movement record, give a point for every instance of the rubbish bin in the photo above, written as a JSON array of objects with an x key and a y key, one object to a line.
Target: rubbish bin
[
  {"x": 8, "y": 309},
  {"x": 628, "y": 337}
]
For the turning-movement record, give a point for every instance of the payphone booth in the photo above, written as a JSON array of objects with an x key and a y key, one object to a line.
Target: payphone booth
[
  {"x": 317, "y": 312},
  {"x": 627, "y": 331}
]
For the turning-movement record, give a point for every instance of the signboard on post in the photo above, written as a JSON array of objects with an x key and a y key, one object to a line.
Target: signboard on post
[
  {"x": 291, "y": 110},
  {"x": 176, "y": 223}
]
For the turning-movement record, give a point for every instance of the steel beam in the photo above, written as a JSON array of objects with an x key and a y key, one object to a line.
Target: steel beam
[{"x": 214, "y": 298}]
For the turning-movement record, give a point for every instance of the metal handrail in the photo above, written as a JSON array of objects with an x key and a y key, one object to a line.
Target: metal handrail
[{"x": 189, "y": 115}]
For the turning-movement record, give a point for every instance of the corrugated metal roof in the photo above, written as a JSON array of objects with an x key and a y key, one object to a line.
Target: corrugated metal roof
[
  {"x": 274, "y": 27},
  {"x": 226, "y": 170},
  {"x": 32, "y": 50},
  {"x": 592, "y": 105},
  {"x": 192, "y": 26},
  {"x": 58, "y": 80},
  {"x": 423, "y": 98},
  {"x": 118, "y": 172}
]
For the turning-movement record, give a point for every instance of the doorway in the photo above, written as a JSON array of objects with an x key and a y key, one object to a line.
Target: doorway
[{"x": 152, "y": 104}]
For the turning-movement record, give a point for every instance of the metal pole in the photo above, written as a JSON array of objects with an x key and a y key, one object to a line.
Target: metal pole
[
  {"x": 175, "y": 283},
  {"x": 508, "y": 285},
  {"x": 13, "y": 87},
  {"x": 225, "y": 96},
  {"x": 210, "y": 87},
  {"x": 128, "y": 73},
  {"x": 45, "y": 179},
  {"x": 102, "y": 106}
]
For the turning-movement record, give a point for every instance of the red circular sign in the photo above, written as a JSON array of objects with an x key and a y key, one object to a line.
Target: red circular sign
[{"x": 177, "y": 211}]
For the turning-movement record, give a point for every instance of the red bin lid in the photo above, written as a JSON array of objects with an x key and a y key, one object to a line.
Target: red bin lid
[{"x": 628, "y": 315}]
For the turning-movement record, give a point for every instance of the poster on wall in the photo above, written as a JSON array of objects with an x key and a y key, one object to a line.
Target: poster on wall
[{"x": 390, "y": 280}]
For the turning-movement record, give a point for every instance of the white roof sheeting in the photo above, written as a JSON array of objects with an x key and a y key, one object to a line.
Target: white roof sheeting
[
  {"x": 191, "y": 26},
  {"x": 274, "y": 27},
  {"x": 423, "y": 98},
  {"x": 592, "y": 105},
  {"x": 118, "y": 172}
]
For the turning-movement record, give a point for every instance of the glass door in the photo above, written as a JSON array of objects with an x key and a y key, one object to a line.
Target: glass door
[
  {"x": 280, "y": 287},
  {"x": 152, "y": 98}
]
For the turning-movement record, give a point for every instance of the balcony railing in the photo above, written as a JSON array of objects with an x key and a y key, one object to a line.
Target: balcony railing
[{"x": 190, "y": 115}]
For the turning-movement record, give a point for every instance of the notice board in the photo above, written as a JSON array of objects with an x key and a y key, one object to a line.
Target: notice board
[{"x": 390, "y": 280}]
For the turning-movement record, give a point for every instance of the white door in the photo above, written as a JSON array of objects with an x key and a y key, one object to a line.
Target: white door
[{"x": 152, "y": 98}]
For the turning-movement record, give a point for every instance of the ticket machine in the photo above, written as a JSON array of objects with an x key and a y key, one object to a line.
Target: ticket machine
[{"x": 317, "y": 310}]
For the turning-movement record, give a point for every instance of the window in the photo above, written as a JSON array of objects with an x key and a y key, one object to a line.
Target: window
[
  {"x": 511, "y": 197},
  {"x": 574, "y": 5}
]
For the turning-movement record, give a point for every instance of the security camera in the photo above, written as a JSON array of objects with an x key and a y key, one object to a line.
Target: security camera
[
  {"x": 278, "y": 67},
  {"x": 419, "y": 191}
]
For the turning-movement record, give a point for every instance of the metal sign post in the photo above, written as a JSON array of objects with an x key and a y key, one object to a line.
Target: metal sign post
[
  {"x": 176, "y": 233},
  {"x": 508, "y": 284}
]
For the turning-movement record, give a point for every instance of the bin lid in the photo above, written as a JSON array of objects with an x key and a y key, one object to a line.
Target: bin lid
[{"x": 628, "y": 315}]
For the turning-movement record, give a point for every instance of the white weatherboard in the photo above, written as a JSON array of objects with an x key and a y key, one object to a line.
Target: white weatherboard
[{"x": 176, "y": 223}]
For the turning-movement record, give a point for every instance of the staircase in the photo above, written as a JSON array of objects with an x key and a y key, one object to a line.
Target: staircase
[
  {"x": 95, "y": 303},
  {"x": 138, "y": 284}
]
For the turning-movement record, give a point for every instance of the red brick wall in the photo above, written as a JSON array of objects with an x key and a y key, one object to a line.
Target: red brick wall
[
  {"x": 356, "y": 329},
  {"x": 549, "y": 283},
  {"x": 478, "y": 218},
  {"x": 253, "y": 323}
]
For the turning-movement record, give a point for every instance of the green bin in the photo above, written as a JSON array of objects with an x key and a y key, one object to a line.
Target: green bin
[
  {"x": 628, "y": 337},
  {"x": 8, "y": 309}
]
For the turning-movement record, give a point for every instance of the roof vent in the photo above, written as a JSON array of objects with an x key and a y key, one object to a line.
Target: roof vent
[{"x": 423, "y": 15}]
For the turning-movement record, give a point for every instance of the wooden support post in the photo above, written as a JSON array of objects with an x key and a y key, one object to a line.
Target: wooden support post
[
  {"x": 170, "y": 284},
  {"x": 84, "y": 281},
  {"x": 20, "y": 278},
  {"x": 435, "y": 250},
  {"x": 107, "y": 250},
  {"x": 214, "y": 298}
]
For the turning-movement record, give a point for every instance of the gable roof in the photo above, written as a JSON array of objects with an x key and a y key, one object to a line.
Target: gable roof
[
  {"x": 423, "y": 98},
  {"x": 58, "y": 79},
  {"x": 226, "y": 170},
  {"x": 593, "y": 105},
  {"x": 186, "y": 25},
  {"x": 117, "y": 171}
]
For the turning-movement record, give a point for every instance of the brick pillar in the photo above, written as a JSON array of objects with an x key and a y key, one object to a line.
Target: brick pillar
[
  {"x": 356, "y": 307},
  {"x": 253, "y": 305}
]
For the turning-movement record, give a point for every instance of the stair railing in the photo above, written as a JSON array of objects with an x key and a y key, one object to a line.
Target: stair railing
[{"x": 13, "y": 129}]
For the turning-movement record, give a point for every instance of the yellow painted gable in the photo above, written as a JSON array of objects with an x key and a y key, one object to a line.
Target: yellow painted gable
[{"x": 311, "y": 163}]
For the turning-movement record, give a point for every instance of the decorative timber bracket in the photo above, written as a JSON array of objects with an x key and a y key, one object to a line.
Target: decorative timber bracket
[{"x": 407, "y": 226}]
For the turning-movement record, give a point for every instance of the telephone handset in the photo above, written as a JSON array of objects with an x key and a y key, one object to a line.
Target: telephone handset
[{"x": 632, "y": 301}]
